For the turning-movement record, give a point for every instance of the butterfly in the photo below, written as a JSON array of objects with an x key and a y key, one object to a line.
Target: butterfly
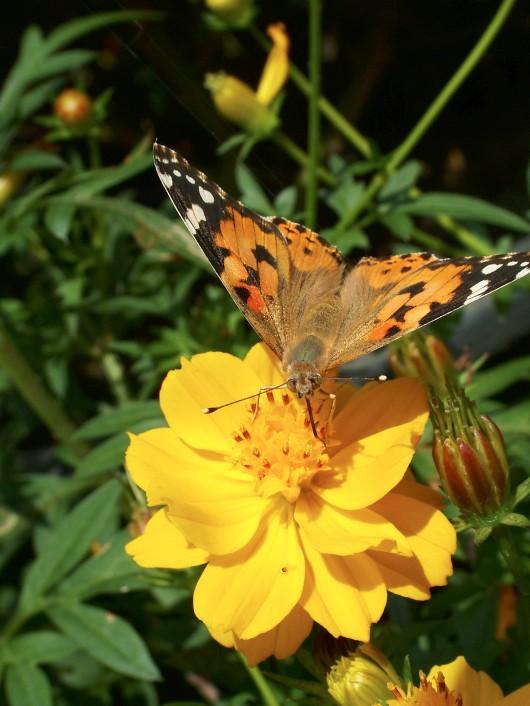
[{"x": 312, "y": 309}]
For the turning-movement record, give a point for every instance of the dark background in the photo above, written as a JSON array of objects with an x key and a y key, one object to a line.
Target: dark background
[{"x": 384, "y": 62}]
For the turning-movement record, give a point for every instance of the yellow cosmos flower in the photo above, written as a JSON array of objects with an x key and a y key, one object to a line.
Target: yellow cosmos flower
[
  {"x": 458, "y": 684},
  {"x": 291, "y": 531},
  {"x": 254, "y": 111}
]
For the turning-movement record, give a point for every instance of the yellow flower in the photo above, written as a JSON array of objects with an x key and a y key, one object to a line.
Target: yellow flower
[
  {"x": 458, "y": 684},
  {"x": 291, "y": 531},
  {"x": 254, "y": 111}
]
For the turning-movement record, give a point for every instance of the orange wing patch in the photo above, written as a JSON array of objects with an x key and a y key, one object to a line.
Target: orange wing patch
[{"x": 308, "y": 250}]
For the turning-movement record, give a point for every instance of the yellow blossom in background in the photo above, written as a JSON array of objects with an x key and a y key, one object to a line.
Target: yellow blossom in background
[
  {"x": 458, "y": 684},
  {"x": 290, "y": 531},
  {"x": 254, "y": 111}
]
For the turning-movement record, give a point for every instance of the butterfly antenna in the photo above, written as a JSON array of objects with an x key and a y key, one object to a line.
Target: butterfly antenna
[
  {"x": 210, "y": 410},
  {"x": 377, "y": 378}
]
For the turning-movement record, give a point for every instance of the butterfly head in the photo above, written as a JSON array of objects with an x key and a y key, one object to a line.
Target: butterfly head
[{"x": 303, "y": 379}]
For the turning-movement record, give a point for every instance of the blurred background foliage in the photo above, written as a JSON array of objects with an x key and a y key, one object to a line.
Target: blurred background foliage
[{"x": 98, "y": 301}]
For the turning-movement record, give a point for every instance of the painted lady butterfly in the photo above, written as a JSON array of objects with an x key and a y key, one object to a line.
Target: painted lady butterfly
[{"x": 313, "y": 310}]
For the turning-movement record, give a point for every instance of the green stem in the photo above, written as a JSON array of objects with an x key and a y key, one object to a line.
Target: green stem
[
  {"x": 328, "y": 110},
  {"x": 510, "y": 555},
  {"x": 37, "y": 396},
  {"x": 313, "y": 141},
  {"x": 261, "y": 683},
  {"x": 403, "y": 150},
  {"x": 298, "y": 155}
]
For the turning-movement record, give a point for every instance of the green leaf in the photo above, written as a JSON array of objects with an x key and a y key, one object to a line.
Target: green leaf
[
  {"x": 252, "y": 194},
  {"x": 111, "y": 570},
  {"x": 514, "y": 419},
  {"x": 36, "y": 160},
  {"x": 345, "y": 196},
  {"x": 40, "y": 647},
  {"x": 59, "y": 63},
  {"x": 465, "y": 207},
  {"x": 74, "y": 29},
  {"x": 488, "y": 383},
  {"x": 118, "y": 419},
  {"x": 58, "y": 218},
  {"x": 107, "y": 638},
  {"x": 27, "y": 685},
  {"x": 400, "y": 224},
  {"x": 69, "y": 541},
  {"x": 401, "y": 181}
]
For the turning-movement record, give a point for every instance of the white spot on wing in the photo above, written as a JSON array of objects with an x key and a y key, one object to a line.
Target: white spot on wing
[
  {"x": 523, "y": 273},
  {"x": 193, "y": 217},
  {"x": 166, "y": 179},
  {"x": 206, "y": 196},
  {"x": 480, "y": 286},
  {"x": 490, "y": 268},
  {"x": 190, "y": 179},
  {"x": 177, "y": 173}
]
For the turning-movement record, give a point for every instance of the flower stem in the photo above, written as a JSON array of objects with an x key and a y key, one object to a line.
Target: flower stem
[
  {"x": 328, "y": 110},
  {"x": 261, "y": 683},
  {"x": 37, "y": 396},
  {"x": 313, "y": 141},
  {"x": 508, "y": 550},
  {"x": 298, "y": 155},
  {"x": 404, "y": 149}
]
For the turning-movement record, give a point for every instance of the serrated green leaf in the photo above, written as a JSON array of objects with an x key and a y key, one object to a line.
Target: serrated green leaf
[
  {"x": 69, "y": 541},
  {"x": 27, "y": 685},
  {"x": 118, "y": 419},
  {"x": 107, "y": 638},
  {"x": 465, "y": 207},
  {"x": 345, "y": 196},
  {"x": 111, "y": 570},
  {"x": 39, "y": 647}
]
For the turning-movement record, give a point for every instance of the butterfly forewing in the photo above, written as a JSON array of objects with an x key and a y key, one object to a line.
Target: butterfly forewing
[{"x": 247, "y": 251}]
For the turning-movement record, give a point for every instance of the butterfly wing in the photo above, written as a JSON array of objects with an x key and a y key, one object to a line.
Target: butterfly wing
[
  {"x": 385, "y": 298},
  {"x": 272, "y": 268}
]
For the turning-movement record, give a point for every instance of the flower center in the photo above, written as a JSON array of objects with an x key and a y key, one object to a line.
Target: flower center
[{"x": 278, "y": 448}]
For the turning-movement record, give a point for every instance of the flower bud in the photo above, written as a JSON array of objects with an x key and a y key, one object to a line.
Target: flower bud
[
  {"x": 361, "y": 678},
  {"x": 72, "y": 106},
  {"x": 231, "y": 13},
  {"x": 9, "y": 183},
  {"x": 237, "y": 102},
  {"x": 425, "y": 357},
  {"x": 469, "y": 454}
]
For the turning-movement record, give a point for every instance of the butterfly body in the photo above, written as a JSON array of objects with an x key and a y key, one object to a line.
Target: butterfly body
[{"x": 312, "y": 309}]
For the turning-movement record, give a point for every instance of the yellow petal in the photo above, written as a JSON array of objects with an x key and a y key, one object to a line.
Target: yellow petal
[
  {"x": 521, "y": 697},
  {"x": 430, "y": 534},
  {"x": 252, "y": 591},
  {"x": 276, "y": 67},
  {"x": 476, "y": 688},
  {"x": 265, "y": 364},
  {"x": 343, "y": 594},
  {"x": 385, "y": 422},
  {"x": 208, "y": 380},
  {"x": 209, "y": 501},
  {"x": 333, "y": 531},
  {"x": 163, "y": 546},
  {"x": 280, "y": 642}
]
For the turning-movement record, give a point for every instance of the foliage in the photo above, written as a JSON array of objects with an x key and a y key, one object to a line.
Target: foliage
[{"x": 101, "y": 295}]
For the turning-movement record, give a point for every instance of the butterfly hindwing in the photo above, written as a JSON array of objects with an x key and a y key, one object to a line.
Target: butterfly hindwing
[{"x": 404, "y": 292}]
